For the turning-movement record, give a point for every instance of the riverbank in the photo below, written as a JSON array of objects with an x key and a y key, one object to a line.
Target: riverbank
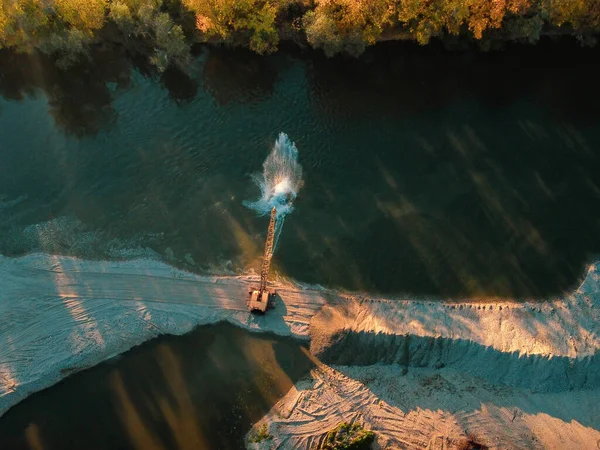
[
  {"x": 61, "y": 315},
  {"x": 164, "y": 30}
]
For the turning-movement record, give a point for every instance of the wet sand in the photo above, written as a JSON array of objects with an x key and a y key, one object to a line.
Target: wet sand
[{"x": 203, "y": 390}]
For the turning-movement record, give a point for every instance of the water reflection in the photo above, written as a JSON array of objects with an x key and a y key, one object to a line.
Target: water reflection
[
  {"x": 237, "y": 75},
  {"x": 427, "y": 172},
  {"x": 199, "y": 391},
  {"x": 181, "y": 87},
  {"x": 79, "y": 99},
  {"x": 400, "y": 79}
]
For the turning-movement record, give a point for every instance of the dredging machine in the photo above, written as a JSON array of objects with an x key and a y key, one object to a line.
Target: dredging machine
[{"x": 260, "y": 299}]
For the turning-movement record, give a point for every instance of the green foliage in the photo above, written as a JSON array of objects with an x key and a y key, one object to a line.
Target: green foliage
[
  {"x": 247, "y": 22},
  {"x": 321, "y": 32},
  {"x": 349, "y": 437},
  {"x": 68, "y": 45},
  {"x": 66, "y": 27},
  {"x": 120, "y": 14},
  {"x": 580, "y": 14},
  {"x": 22, "y": 23},
  {"x": 85, "y": 15},
  {"x": 145, "y": 19},
  {"x": 262, "y": 434},
  {"x": 170, "y": 43},
  {"x": 345, "y": 25},
  {"x": 525, "y": 28},
  {"x": 261, "y": 28}
]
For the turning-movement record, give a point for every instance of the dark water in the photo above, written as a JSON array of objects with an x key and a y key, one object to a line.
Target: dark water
[
  {"x": 203, "y": 390},
  {"x": 426, "y": 172}
]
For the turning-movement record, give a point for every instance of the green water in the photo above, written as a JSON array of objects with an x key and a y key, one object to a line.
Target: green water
[{"x": 426, "y": 172}]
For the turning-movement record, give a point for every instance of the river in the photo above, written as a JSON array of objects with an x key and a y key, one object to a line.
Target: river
[
  {"x": 203, "y": 390},
  {"x": 426, "y": 172}
]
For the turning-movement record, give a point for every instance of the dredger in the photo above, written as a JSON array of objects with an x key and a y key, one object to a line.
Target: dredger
[{"x": 260, "y": 299}]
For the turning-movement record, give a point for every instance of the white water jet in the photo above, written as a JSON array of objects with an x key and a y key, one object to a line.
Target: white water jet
[{"x": 279, "y": 182}]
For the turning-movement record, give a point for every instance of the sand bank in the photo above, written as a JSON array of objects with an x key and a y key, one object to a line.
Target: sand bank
[{"x": 420, "y": 373}]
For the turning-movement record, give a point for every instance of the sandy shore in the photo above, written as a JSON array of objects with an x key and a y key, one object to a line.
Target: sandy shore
[{"x": 421, "y": 374}]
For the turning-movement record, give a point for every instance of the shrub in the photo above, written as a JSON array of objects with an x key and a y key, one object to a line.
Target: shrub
[
  {"x": 121, "y": 15},
  {"x": 348, "y": 436},
  {"x": 170, "y": 43},
  {"x": 68, "y": 46},
  {"x": 244, "y": 22},
  {"x": 22, "y": 24},
  {"x": 345, "y": 25},
  {"x": 85, "y": 15},
  {"x": 262, "y": 434}
]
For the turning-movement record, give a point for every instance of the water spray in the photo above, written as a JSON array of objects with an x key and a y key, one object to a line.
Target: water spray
[{"x": 279, "y": 182}]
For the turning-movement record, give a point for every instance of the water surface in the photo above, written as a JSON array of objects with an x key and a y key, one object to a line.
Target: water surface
[
  {"x": 203, "y": 390},
  {"x": 426, "y": 172}
]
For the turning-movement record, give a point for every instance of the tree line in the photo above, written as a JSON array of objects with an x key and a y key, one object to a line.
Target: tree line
[{"x": 66, "y": 28}]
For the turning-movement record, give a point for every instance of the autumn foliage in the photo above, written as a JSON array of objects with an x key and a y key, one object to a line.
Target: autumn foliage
[
  {"x": 65, "y": 28},
  {"x": 251, "y": 22}
]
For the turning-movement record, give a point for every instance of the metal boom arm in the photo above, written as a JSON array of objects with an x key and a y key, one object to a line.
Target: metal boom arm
[{"x": 264, "y": 273}]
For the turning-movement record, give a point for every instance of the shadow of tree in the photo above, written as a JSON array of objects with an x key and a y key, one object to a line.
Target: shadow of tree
[
  {"x": 80, "y": 98},
  {"x": 238, "y": 75},
  {"x": 400, "y": 79}
]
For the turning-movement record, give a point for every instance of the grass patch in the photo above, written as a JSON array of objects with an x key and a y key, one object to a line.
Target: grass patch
[
  {"x": 348, "y": 436},
  {"x": 262, "y": 434}
]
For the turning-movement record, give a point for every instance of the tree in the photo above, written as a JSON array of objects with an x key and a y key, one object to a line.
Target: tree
[
  {"x": 246, "y": 22},
  {"x": 144, "y": 19},
  {"x": 22, "y": 24},
  {"x": 85, "y": 15},
  {"x": 490, "y": 14},
  {"x": 346, "y": 25},
  {"x": 580, "y": 14},
  {"x": 120, "y": 14},
  {"x": 431, "y": 18},
  {"x": 68, "y": 45},
  {"x": 170, "y": 43}
]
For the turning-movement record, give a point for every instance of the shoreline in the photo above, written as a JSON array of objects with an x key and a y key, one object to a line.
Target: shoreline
[
  {"x": 165, "y": 32},
  {"x": 61, "y": 315},
  {"x": 87, "y": 311},
  {"x": 170, "y": 388}
]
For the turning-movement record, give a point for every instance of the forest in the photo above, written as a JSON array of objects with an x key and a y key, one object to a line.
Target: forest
[{"x": 66, "y": 29}]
